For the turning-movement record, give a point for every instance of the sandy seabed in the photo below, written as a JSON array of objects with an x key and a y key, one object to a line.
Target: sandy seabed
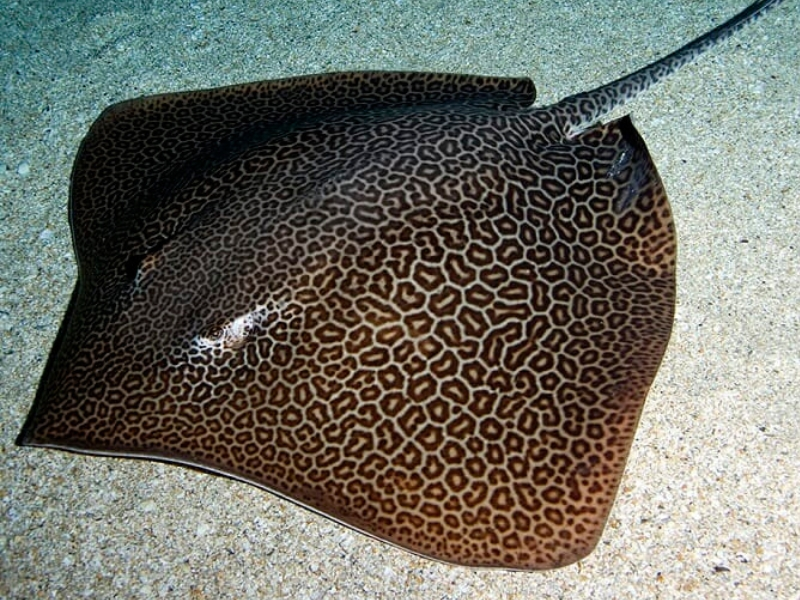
[{"x": 708, "y": 507}]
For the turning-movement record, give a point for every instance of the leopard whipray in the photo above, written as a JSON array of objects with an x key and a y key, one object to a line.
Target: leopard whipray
[{"x": 411, "y": 302}]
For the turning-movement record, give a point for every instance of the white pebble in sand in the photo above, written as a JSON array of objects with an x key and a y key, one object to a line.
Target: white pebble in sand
[
  {"x": 23, "y": 169},
  {"x": 203, "y": 529}
]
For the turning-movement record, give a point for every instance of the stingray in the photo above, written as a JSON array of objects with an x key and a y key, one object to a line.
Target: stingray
[{"x": 411, "y": 302}]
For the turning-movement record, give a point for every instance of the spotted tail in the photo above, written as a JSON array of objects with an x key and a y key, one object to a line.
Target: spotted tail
[{"x": 587, "y": 108}]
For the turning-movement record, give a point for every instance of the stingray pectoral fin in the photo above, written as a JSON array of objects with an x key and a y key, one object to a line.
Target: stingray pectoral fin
[{"x": 140, "y": 153}]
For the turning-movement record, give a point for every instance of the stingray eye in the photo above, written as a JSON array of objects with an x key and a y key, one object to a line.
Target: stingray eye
[
  {"x": 215, "y": 332},
  {"x": 225, "y": 335},
  {"x": 233, "y": 333}
]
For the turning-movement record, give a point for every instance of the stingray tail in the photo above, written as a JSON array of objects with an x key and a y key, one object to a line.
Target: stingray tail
[{"x": 587, "y": 108}]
